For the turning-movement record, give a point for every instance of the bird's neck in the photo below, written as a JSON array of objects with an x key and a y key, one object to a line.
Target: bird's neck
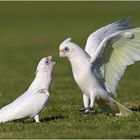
[{"x": 41, "y": 81}]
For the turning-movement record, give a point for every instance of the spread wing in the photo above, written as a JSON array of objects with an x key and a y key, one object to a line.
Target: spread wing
[
  {"x": 97, "y": 37},
  {"x": 114, "y": 54}
]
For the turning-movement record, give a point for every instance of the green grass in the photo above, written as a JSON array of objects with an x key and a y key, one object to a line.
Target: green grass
[{"x": 31, "y": 30}]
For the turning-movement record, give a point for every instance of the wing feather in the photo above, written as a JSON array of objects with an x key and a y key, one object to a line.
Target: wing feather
[
  {"x": 97, "y": 37},
  {"x": 20, "y": 99},
  {"x": 114, "y": 54}
]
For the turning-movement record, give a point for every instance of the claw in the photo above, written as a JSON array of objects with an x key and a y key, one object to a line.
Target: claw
[
  {"x": 87, "y": 110},
  {"x": 82, "y": 109}
]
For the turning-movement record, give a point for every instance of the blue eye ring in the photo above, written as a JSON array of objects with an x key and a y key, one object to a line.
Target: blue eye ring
[
  {"x": 47, "y": 62},
  {"x": 66, "y": 49}
]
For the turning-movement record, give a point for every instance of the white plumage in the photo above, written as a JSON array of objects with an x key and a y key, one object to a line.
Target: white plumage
[
  {"x": 35, "y": 99},
  {"x": 98, "y": 69}
]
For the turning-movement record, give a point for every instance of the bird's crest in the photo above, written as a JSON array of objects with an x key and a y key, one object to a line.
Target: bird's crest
[
  {"x": 66, "y": 41},
  {"x": 49, "y": 57}
]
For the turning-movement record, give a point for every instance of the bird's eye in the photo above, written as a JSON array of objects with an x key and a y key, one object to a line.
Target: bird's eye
[
  {"x": 47, "y": 62},
  {"x": 66, "y": 49}
]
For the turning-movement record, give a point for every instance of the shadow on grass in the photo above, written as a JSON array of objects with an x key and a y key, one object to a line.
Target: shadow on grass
[
  {"x": 53, "y": 118},
  {"x": 22, "y": 121},
  {"x": 136, "y": 109},
  {"x": 46, "y": 119}
]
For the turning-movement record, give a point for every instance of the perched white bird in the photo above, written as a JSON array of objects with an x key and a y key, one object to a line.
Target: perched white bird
[
  {"x": 35, "y": 99},
  {"x": 98, "y": 69}
]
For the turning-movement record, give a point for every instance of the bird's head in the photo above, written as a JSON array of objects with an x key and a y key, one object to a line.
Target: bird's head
[
  {"x": 68, "y": 49},
  {"x": 45, "y": 65}
]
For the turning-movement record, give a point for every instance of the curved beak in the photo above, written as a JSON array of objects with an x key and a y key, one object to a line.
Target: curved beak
[
  {"x": 61, "y": 53},
  {"x": 50, "y": 58}
]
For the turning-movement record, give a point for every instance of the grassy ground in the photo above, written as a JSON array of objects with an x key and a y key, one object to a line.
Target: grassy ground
[{"x": 31, "y": 30}]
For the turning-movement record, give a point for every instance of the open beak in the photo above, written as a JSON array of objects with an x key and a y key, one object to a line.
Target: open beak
[{"x": 50, "y": 58}]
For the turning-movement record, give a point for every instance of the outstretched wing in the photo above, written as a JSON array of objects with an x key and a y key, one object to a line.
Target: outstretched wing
[
  {"x": 114, "y": 54},
  {"x": 97, "y": 37}
]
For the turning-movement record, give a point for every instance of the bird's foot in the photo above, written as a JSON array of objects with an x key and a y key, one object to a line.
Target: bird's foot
[
  {"x": 81, "y": 110},
  {"x": 87, "y": 110}
]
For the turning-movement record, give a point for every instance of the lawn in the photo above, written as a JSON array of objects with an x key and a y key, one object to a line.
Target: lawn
[{"x": 32, "y": 30}]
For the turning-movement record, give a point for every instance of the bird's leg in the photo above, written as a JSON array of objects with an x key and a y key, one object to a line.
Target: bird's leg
[
  {"x": 86, "y": 102},
  {"x": 36, "y": 117},
  {"x": 92, "y": 101}
]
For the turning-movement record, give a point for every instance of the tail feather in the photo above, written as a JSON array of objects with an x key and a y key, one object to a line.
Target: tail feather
[
  {"x": 4, "y": 116},
  {"x": 112, "y": 106},
  {"x": 123, "y": 111},
  {"x": 7, "y": 115}
]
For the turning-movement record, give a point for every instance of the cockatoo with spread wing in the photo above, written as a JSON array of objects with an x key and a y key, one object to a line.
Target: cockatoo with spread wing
[
  {"x": 98, "y": 69},
  {"x": 35, "y": 99}
]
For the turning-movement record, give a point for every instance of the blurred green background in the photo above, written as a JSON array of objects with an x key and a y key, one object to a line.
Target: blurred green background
[{"x": 32, "y": 30}]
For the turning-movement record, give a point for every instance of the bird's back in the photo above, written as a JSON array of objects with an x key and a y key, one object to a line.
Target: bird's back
[{"x": 28, "y": 106}]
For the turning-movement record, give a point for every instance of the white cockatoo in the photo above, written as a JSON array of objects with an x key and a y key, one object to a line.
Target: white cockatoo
[
  {"x": 35, "y": 99},
  {"x": 98, "y": 69}
]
